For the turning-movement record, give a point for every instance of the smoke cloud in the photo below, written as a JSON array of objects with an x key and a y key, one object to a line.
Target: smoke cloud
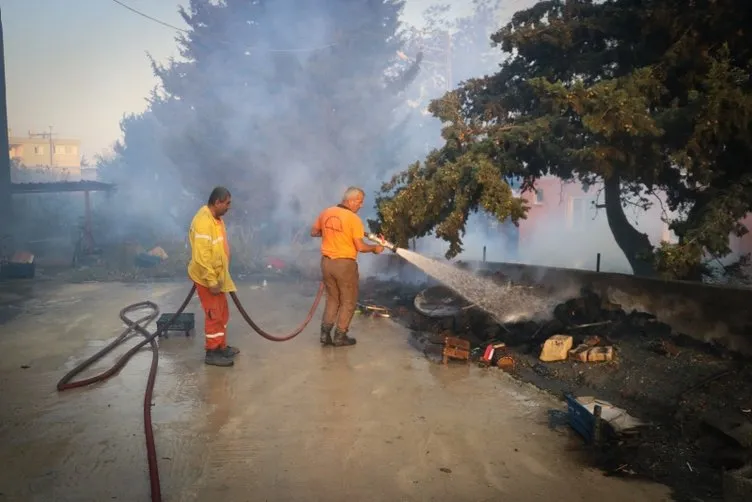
[
  {"x": 286, "y": 104},
  {"x": 565, "y": 227}
]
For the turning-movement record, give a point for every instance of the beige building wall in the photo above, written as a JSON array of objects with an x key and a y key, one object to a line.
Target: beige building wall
[{"x": 61, "y": 156}]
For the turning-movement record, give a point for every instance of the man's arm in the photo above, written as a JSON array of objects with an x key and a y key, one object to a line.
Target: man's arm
[
  {"x": 360, "y": 243},
  {"x": 363, "y": 247},
  {"x": 316, "y": 229},
  {"x": 203, "y": 252}
]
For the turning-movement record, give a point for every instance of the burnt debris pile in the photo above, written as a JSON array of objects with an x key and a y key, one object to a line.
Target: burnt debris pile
[
  {"x": 695, "y": 396},
  {"x": 584, "y": 322}
]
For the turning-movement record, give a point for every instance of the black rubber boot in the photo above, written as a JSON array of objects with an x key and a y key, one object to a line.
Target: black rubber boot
[
  {"x": 342, "y": 340},
  {"x": 230, "y": 351},
  {"x": 326, "y": 334},
  {"x": 218, "y": 358}
]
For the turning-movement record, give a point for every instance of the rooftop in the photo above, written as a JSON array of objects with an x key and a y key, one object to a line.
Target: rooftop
[{"x": 62, "y": 186}]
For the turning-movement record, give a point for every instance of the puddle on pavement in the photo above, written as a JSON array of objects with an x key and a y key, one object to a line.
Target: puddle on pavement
[
  {"x": 10, "y": 297},
  {"x": 9, "y": 313},
  {"x": 175, "y": 395}
]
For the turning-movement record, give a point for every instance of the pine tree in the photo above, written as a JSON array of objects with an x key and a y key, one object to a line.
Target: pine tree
[{"x": 286, "y": 102}]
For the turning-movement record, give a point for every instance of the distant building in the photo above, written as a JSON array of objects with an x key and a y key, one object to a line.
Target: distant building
[
  {"x": 566, "y": 226},
  {"x": 743, "y": 245},
  {"x": 61, "y": 156}
]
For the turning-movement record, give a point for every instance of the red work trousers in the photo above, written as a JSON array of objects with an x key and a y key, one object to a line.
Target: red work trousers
[{"x": 216, "y": 317}]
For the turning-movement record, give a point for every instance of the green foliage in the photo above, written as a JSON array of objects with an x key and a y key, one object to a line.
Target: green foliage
[{"x": 648, "y": 96}]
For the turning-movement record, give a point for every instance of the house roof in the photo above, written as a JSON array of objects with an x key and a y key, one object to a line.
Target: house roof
[{"x": 62, "y": 186}]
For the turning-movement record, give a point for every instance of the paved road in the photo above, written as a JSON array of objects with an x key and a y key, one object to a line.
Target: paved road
[{"x": 290, "y": 422}]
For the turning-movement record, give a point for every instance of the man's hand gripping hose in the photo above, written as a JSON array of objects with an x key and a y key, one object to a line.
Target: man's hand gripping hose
[
  {"x": 381, "y": 241},
  {"x": 139, "y": 325}
]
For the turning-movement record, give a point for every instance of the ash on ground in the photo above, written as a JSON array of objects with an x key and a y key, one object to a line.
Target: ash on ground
[{"x": 695, "y": 397}]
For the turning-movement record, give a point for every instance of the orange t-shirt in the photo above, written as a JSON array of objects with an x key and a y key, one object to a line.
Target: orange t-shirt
[{"x": 339, "y": 228}]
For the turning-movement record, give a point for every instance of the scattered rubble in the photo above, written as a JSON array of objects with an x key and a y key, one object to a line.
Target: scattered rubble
[
  {"x": 506, "y": 363},
  {"x": 371, "y": 310},
  {"x": 737, "y": 484},
  {"x": 151, "y": 258},
  {"x": 631, "y": 361},
  {"x": 276, "y": 264},
  {"x": 600, "y": 354},
  {"x": 556, "y": 348},
  {"x": 490, "y": 354},
  {"x": 455, "y": 348},
  {"x": 620, "y": 421},
  {"x": 580, "y": 353}
]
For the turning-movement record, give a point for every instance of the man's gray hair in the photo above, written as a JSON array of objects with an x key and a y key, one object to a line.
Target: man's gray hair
[{"x": 353, "y": 192}]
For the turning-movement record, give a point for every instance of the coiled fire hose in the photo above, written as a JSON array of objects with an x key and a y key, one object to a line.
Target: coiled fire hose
[{"x": 139, "y": 325}]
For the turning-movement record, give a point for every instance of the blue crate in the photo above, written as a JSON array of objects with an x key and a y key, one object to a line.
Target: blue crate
[
  {"x": 580, "y": 419},
  {"x": 17, "y": 270}
]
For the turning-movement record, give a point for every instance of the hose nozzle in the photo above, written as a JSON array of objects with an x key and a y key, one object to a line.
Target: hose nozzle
[{"x": 381, "y": 241}]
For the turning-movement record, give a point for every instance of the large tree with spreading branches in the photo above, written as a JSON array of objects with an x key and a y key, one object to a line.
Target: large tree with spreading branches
[{"x": 644, "y": 97}]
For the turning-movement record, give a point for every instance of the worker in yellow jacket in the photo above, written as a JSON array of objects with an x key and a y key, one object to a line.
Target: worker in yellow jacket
[{"x": 209, "y": 269}]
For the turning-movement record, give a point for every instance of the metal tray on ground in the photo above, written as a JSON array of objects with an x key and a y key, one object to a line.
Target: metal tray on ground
[
  {"x": 185, "y": 322},
  {"x": 440, "y": 301}
]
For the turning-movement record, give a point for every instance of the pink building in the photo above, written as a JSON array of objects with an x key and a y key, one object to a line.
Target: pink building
[
  {"x": 565, "y": 228},
  {"x": 742, "y": 245}
]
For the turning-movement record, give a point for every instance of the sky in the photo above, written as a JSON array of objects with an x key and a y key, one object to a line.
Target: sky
[{"x": 81, "y": 65}]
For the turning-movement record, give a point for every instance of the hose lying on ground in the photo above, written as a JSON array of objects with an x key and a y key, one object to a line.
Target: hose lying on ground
[{"x": 139, "y": 325}]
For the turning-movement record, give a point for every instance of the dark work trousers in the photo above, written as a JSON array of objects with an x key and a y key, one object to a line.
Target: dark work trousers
[{"x": 341, "y": 283}]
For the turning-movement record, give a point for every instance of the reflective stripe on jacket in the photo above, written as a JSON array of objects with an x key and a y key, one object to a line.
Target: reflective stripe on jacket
[{"x": 209, "y": 265}]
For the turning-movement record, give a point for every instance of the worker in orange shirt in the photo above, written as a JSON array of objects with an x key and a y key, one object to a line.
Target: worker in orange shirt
[
  {"x": 209, "y": 269},
  {"x": 342, "y": 238}
]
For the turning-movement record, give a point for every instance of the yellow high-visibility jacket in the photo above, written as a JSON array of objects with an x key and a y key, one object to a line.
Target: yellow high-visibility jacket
[{"x": 210, "y": 264}]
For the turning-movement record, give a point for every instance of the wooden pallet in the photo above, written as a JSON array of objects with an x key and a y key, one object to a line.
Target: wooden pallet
[{"x": 455, "y": 348}]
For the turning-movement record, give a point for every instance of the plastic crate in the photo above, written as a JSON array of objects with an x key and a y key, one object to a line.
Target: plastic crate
[
  {"x": 581, "y": 420},
  {"x": 18, "y": 270},
  {"x": 185, "y": 322}
]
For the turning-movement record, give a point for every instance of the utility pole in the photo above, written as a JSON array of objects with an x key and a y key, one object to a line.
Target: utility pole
[
  {"x": 6, "y": 206},
  {"x": 49, "y": 136}
]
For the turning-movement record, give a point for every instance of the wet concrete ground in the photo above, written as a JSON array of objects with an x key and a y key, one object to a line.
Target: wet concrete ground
[{"x": 290, "y": 422}]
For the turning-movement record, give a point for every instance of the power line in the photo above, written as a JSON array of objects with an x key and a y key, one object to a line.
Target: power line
[{"x": 168, "y": 25}]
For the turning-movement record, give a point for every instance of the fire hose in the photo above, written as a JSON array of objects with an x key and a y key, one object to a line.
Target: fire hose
[{"x": 139, "y": 326}]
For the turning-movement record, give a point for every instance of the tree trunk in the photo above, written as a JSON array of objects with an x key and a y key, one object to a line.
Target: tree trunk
[{"x": 635, "y": 245}]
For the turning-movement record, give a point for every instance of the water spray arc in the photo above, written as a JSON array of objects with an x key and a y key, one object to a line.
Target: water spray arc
[{"x": 505, "y": 302}]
